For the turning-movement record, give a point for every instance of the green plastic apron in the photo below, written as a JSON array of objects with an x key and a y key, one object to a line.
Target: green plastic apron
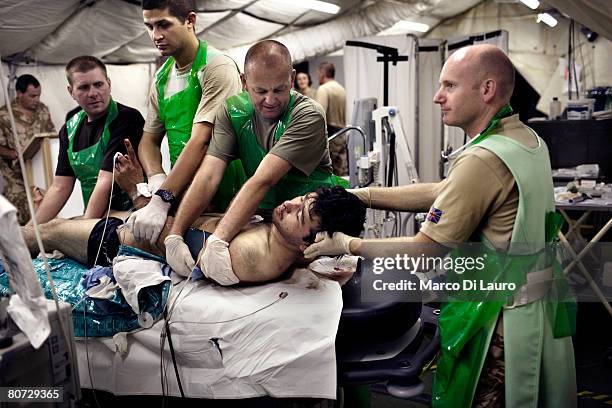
[
  {"x": 177, "y": 112},
  {"x": 294, "y": 183},
  {"x": 536, "y": 334},
  {"x": 86, "y": 163}
]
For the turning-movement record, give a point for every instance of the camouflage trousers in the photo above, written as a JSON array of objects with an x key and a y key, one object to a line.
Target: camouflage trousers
[
  {"x": 338, "y": 152},
  {"x": 14, "y": 191},
  {"x": 490, "y": 389}
]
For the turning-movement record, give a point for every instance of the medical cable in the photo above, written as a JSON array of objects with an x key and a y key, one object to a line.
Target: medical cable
[
  {"x": 162, "y": 341},
  {"x": 110, "y": 199},
  {"x": 95, "y": 263},
  {"x": 93, "y": 390},
  {"x": 281, "y": 296},
  {"x": 63, "y": 324},
  {"x": 178, "y": 377},
  {"x": 166, "y": 332}
]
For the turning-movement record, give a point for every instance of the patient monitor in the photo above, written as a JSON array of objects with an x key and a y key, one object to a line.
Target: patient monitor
[{"x": 387, "y": 162}]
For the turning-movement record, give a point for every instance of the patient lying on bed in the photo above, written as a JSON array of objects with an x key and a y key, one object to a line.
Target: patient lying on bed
[{"x": 262, "y": 251}]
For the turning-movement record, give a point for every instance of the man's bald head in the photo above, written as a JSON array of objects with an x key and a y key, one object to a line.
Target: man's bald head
[
  {"x": 487, "y": 61},
  {"x": 269, "y": 54},
  {"x": 268, "y": 78}
]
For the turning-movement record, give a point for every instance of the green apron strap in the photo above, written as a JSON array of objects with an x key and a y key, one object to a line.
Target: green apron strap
[
  {"x": 177, "y": 111},
  {"x": 86, "y": 163},
  {"x": 504, "y": 112},
  {"x": 466, "y": 327},
  {"x": 294, "y": 183}
]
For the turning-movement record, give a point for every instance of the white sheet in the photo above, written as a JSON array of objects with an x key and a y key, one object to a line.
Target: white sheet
[{"x": 285, "y": 350}]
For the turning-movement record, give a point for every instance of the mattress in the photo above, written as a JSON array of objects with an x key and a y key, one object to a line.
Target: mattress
[{"x": 275, "y": 339}]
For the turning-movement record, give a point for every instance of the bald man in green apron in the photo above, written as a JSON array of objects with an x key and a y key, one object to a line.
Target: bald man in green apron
[
  {"x": 88, "y": 143},
  {"x": 183, "y": 100},
  {"x": 280, "y": 138},
  {"x": 512, "y": 348}
]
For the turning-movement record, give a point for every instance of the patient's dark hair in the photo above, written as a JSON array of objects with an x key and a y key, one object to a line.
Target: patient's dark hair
[
  {"x": 177, "y": 8},
  {"x": 337, "y": 210}
]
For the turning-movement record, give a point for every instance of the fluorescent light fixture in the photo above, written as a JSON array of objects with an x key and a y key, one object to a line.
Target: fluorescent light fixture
[
  {"x": 532, "y": 4},
  {"x": 411, "y": 26},
  {"x": 547, "y": 19},
  {"x": 404, "y": 26},
  {"x": 317, "y": 5}
]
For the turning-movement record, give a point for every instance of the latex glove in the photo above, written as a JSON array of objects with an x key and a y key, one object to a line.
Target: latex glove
[
  {"x": 155, "y": 181},
  {"x": 338, "y": 244},
  {"x": 363, "y": 194},
  {"x": 216, "y": 263},
  {"x": 178, "y": 255},
  {"x": 147, "y": 223}
]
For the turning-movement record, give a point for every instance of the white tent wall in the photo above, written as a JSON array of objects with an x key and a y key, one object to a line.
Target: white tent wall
[
  {"x": 375, "y": 17},
  {"x": 5, "y": 70},
  {"x": 429, "y": 116},
  {"x": 129, "y": 86},
  {"x": 534, "y": 48}
]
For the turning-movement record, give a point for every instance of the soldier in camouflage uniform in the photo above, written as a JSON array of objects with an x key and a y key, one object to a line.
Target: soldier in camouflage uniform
[{"x": 31, "y": 117}]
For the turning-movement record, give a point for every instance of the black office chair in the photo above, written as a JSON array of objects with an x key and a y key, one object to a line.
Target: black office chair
[{"x": 385, "y": 342}]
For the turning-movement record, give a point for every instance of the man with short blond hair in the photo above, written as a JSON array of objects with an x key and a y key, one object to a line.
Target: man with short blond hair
[{"x": 89, "y": 141}]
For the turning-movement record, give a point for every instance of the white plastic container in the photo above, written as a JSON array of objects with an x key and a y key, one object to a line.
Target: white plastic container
[
  {"x": 554, "y": 111},
  {"x": 580, "y": 109}
]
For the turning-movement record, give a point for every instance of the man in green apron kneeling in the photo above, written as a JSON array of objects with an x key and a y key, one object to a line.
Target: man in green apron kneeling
[
  {"x": 183, "y": 100},
  {"x": 89, "y": 141},
  {"x": 280, "y": 138},
  {"x": 512, "y": 351}
]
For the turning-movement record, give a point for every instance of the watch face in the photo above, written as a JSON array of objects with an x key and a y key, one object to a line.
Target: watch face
[{"x": 165, "y": 195}]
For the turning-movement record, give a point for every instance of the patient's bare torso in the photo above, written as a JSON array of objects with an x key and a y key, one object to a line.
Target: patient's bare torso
[{"x": 254, "y": 254}]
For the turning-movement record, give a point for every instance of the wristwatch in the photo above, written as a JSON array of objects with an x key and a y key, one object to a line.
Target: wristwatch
[{"x": 166, "y": 196}]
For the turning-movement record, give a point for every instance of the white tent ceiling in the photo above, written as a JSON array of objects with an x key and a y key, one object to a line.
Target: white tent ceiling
[{"x": 56, "y": 31}]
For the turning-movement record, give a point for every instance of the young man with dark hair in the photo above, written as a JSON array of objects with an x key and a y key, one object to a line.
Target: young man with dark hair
[
  {"x": 89, "y": 141},
  {"x": 31, "y": 117},
  {"x": 183, "y": 100},
  {"x": 260, "y": 252}
]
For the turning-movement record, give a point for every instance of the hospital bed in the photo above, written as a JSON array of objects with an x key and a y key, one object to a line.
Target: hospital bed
[
  {"x": 287, "y": 339},
  {"x": 269, "y": 344}
]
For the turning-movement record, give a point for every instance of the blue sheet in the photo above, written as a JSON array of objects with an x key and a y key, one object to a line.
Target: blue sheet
[{"x": 96, "y": 317}]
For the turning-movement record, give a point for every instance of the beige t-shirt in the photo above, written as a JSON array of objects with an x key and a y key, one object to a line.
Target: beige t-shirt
[
  {"x": 311, "y": 93},
  {"x": 480, "y": 194},
  {"x": 219, "y": 79},
  {"x": 303, "y": 144},
  {"x": 332, "y": 97}
]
